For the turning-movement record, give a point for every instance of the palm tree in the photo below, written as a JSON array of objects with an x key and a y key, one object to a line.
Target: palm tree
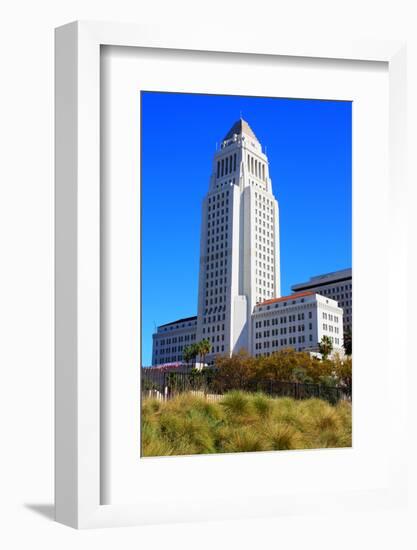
[
  {"x": 204, "y": 348},
  {"x": 194, "y": 351},
  {"x": 187, "y": 354},
  {"x": 325, "y": 346}
]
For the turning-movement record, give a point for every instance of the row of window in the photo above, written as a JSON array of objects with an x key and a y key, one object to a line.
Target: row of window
[
  {"x": 292, "y": 340},
  {"x": 264, "y": 214},
  {"x": 216, "y": 248},
  {"x": 175, "y": 339},
  {"x": 330, "y": 317},
  {"x": 215, "y": 205},
  {"x": 218, "y": 221},
  {"x": 283, "y": 319},
  {"x": 218, "y": 213},
  {"x": 217, "y": 256},
  {"x": 217, "y": 338},
  {"x": 262, "y": 200},
  {"x": 212, "y": 318},
  {"x": 218, "y": 229},
  {"x": 216, "y": 290},
  {"x": 265, "y": 295},
  {"x": 330, "y": 328},
  {"x": 214, "y": 310},
  {"x": 256, "y": 167},
  {"x": 267, "y": 240},
  {"x": 217, "y": 239},
  {"x": 264, "y": 265},
  {"x": 215, "y": 300},
  {"x": 263, "y": 257},
  {"x": 220, "y": 281},
  {"x": 282, "y": 330},
  {"x": 226, "y": 165}
]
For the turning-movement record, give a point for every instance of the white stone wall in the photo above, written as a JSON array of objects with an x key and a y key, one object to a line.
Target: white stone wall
[
  {"x": 298, "y": 322},
  {"x": 170, "y": 340}
]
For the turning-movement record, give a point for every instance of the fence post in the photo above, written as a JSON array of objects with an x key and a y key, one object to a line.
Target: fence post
[{"x": 165, "y": 387}]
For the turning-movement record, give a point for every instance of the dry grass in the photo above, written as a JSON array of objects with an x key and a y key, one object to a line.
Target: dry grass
[{"x": 242, "y": 422}]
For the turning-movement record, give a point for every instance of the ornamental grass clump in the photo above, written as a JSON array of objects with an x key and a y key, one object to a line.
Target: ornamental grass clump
[
  {"x": 242, "y": 422},
  {"x": 263, "y": 405},
  {"x": 237, "y": 404},
  {"x": 279, "y": 436}
]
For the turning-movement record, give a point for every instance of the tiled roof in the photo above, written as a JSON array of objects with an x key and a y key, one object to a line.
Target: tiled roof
[{"x": 286, "y": 298}]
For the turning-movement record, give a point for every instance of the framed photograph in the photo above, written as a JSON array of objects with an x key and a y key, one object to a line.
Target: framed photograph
[{"x": 228, "y": 213}]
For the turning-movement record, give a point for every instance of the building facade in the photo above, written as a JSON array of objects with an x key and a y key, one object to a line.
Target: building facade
[
  {"x": 298, "y": 321},
  {"x": 337, "y": 286}
]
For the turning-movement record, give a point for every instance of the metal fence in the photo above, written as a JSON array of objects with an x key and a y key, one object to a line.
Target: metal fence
[{"x": 165, "y": 385}]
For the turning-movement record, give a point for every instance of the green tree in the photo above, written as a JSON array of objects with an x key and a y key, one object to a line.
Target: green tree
[
  {"x": 325, "y": 346},
  {"x": 343, "y": 371},
  {"x": 347, "y": 341},
  {"x": 204, "y": 348},
  {"x": 234, "y": 372}
]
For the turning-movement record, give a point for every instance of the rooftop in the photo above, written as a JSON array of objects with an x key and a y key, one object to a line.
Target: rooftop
[
  {"x": 240, "y": 127},
  {"x": 326, "y": 278},
  {"x": 286, "y": 298},
  {"x": 184, "y": 320}
]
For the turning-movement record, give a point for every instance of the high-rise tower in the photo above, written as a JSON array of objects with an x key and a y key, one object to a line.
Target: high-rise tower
[{"x": 239, "y": 250}]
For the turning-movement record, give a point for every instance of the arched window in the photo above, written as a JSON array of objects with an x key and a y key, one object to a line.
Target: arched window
[
  {"x": 263, "y": 172},
  {"x": 251, "y": 162},
  {"x": 218, "y": 169},
  {"x": 234, "y": 162},
  {"x": 222, "y": 167},
  {"x": 256, "y": 168}
]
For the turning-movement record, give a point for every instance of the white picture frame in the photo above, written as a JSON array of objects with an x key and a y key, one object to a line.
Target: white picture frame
[{"x": 78, "y": 404}]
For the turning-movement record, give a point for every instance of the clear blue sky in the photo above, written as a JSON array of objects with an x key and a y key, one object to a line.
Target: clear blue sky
[{"x": 309, "y": 149}]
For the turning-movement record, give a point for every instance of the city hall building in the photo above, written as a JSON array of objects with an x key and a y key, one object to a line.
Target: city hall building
[{"x": 239, "y": 275}]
